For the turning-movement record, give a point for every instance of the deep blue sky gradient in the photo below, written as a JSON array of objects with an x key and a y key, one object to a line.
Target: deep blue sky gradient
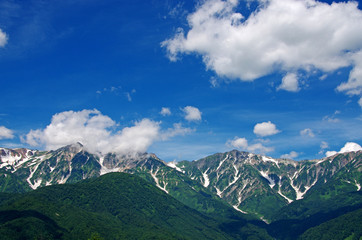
[{"x": 75, "y": 55}]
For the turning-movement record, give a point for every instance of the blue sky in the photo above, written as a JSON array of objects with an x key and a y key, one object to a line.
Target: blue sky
[{"x": 283, "y": 78}]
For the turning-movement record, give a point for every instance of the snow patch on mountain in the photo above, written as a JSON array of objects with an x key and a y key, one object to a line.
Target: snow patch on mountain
[
  {"x": 271, "y": 181},
  {"x": 218, "y": 192},
  {"x": 322, "y": 160},
  {"x": 104, "y": 169},
  {"x": 154, "y": 176},
  {"x": 269, "y": 159},
  {"x": 174, "y": 165},
  {"x": 299, "y": 193},
  {"x": 357, "y": 185},
  {"x": 236, "y": 207},
  {"x": 236, "y": 178},
  {"x": 280, "y": 192},
  {"x": 32, "y": 171},
  {"x": 65, "y": 179},
  {"x": 206, "y": 178},
  {"x": 222, "y": 161}
]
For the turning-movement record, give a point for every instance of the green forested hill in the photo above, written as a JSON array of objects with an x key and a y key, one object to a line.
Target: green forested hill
[
  {"x": 113, "y": 206},
  {"x": 315, "y": 210},
  {"x": 347, "y": 227}
]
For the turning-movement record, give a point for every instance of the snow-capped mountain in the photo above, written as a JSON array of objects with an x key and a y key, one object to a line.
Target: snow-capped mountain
[{"x": 250, "y": 183}]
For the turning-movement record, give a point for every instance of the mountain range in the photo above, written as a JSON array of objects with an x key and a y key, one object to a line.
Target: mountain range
[{"x": 233, "y": 186}]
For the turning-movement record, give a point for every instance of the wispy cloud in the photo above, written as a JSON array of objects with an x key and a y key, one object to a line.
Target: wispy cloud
[
  {"x": 129, "y": 95},
  {"x": 117, "y": 90},
  {"x": 332, "y": 118},
  {"x": 307, "y": 132}
]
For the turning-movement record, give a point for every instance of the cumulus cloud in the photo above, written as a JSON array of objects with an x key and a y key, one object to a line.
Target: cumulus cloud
[
  {"x": 348, "y": 147},
  {"x": 290, "y": 155},
  {"x": 242, "y": 144},
  {"x": 3, "y": 38},
  {"x": 97, "y": 132},
  {"x": 307, "y": 132},
  {"x": 192, "y": 113},
  {"x": 289, "y": 83},
  {"x": 165, "y": 111},
  {"x": 354, "y": 84},
  {"x": 279, "y": 36},
  {"x": 6, "y": 133},
  {"x": 265, "y": 129}
]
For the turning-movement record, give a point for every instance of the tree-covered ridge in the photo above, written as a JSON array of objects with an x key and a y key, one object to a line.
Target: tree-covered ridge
[
  {"x": 115, "y": 206},
  {"x": 347, "y": 227}
]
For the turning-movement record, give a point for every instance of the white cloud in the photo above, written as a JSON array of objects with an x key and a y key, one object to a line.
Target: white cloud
[
  {"x": 3, "y": 38},
  {"x": 360, "y": 101},
  {"x": 324, "y": 145},
  {"x": 97, "y": 133},
  {"x": 265, "y": 129},
  {"x": 289, "y": 83},
  {"x": 165, "y": 111},
  {"x": 192, "y": 113},
  {"x": 348, "y": 147},
  {"x": 354, "y": 84},
  {"x": 307, "y": 132},
  {"x": 6, "y": 133},
  {"x": 290, "y": 155},
  {"x": 176, "y": 130},
  {"x": 330, "y": 153},
  {"x": 279, "y": 36},
  {"x": 242, "y": 144}
]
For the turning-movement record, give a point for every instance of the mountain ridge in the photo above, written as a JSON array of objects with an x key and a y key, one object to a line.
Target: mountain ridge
[{"x": 250, "y": 183}]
